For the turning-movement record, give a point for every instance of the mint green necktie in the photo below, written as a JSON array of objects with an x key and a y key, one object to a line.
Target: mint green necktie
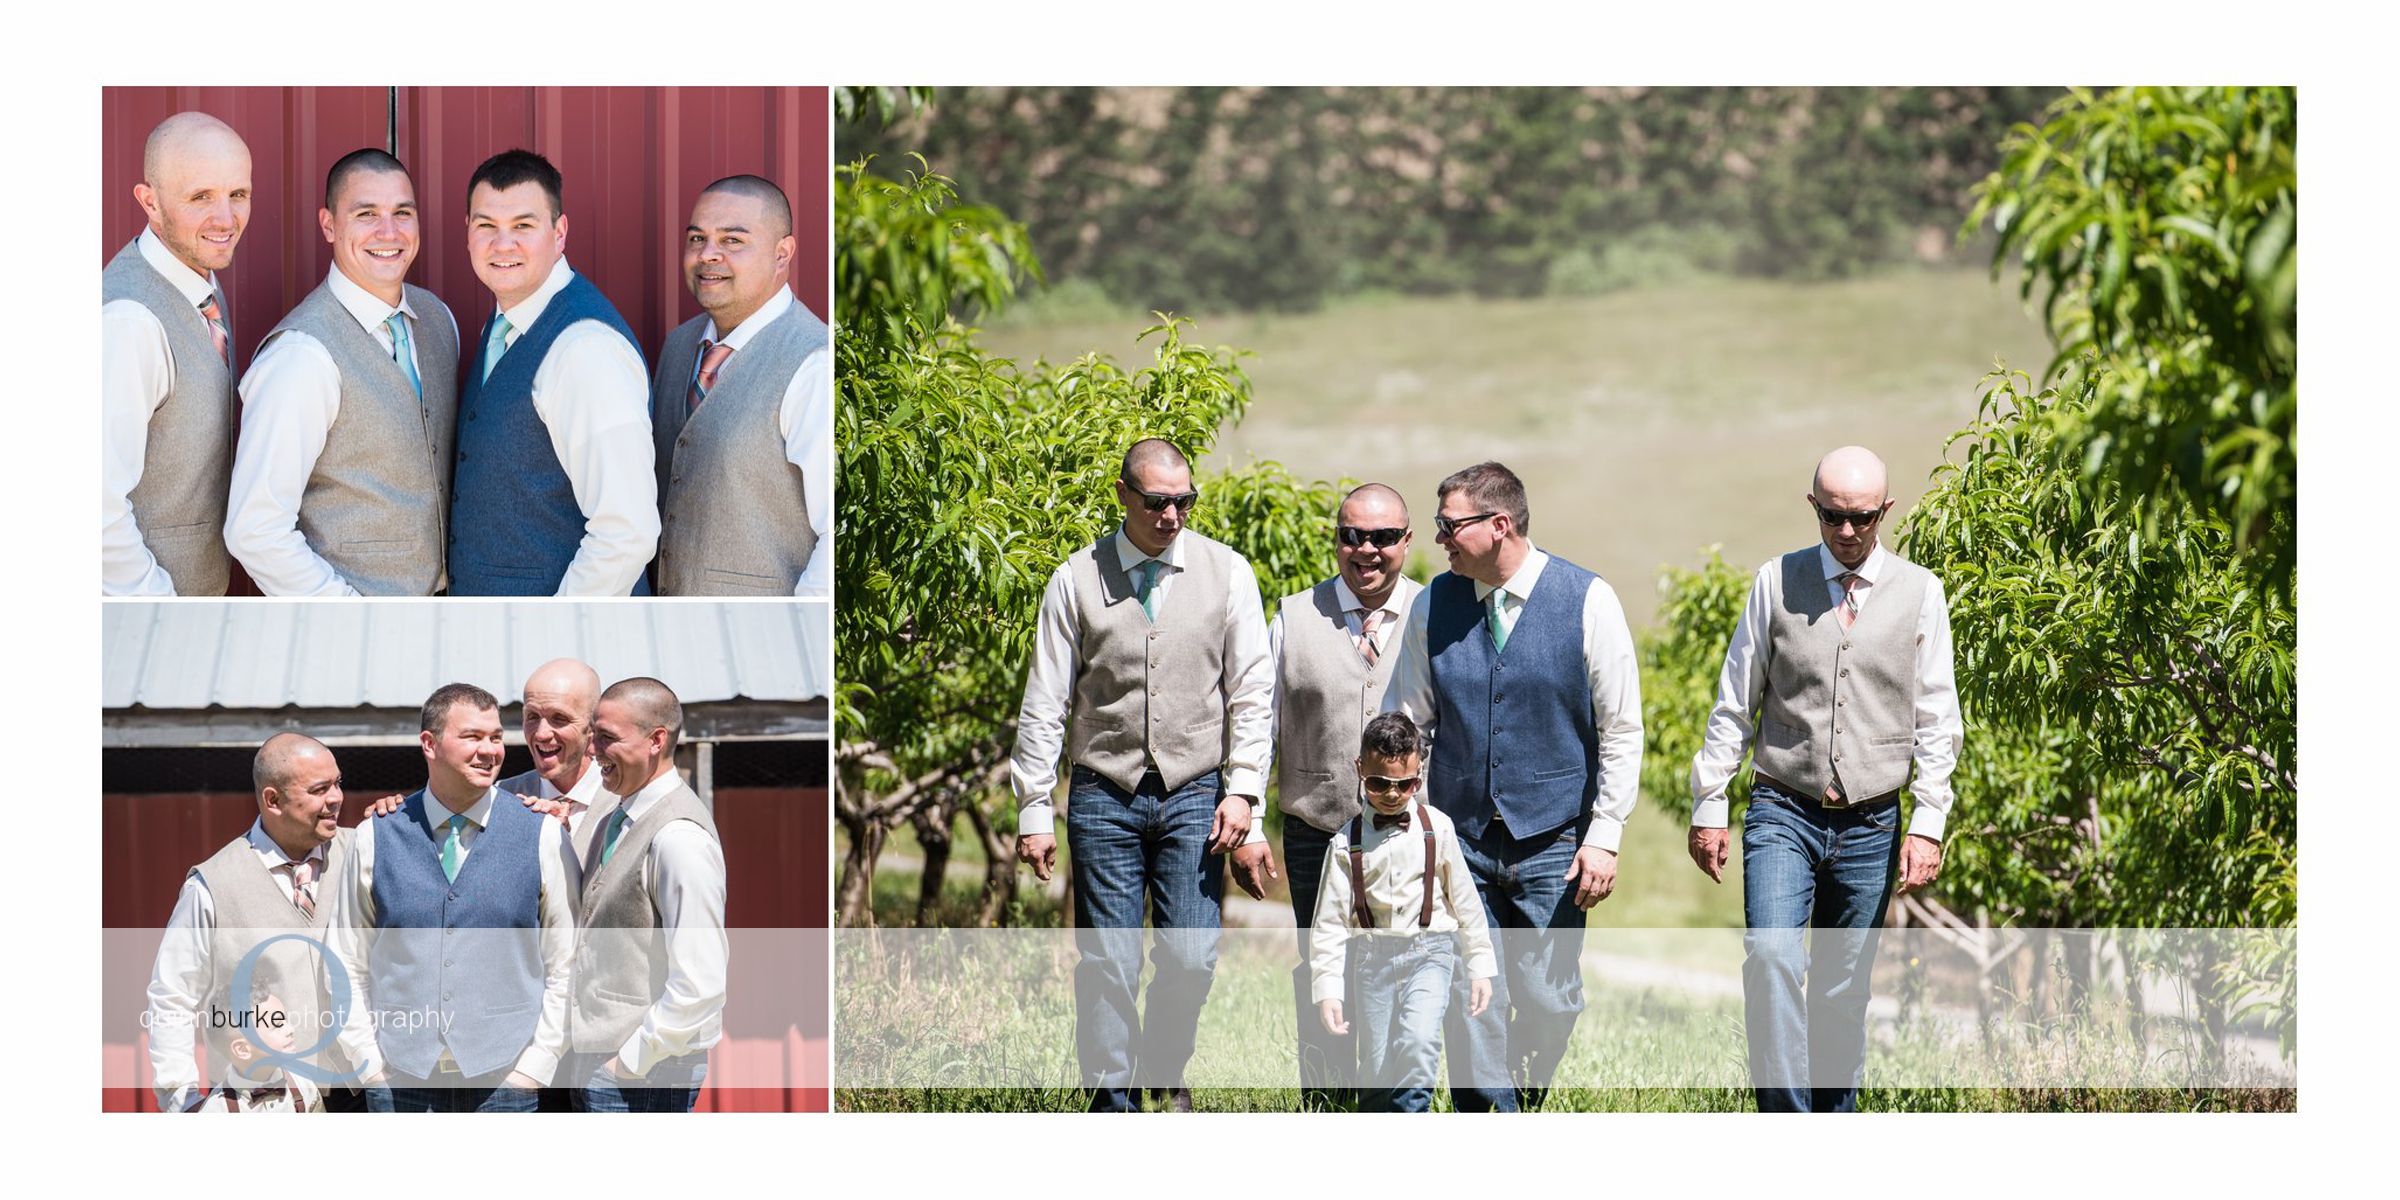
[
  {"x": 402, "y": 353},
  {"x": 452, "y": 851},
  {"x": 1491, "y": 619},
  {"x": 496, "y": 344},
  {"x": 616, "y": 825},
  {"x": 1150, "y": 568}
]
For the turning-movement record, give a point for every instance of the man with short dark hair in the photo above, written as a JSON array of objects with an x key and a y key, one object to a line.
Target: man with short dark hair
[
  {"x": 341, "y": 481},
  {"x": 1519, "y": 667},
  {"x": 1332, "y": 647},
  {"x": 267, "y": 882},
  {"x": 167, "y": 366},
  {"x": 555, "y": 490},
  {"x": 1839, "y": 674},
  {"x": 745, "y": 483},
  {"x": 456, "y": 923},
  {"x": 649, "y": 987},
  {"x": 1150, "y": 672}
]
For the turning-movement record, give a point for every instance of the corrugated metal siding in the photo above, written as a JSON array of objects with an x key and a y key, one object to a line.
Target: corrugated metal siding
[
  {"x": 195, "y": 654},
  {"x": 632, "y": 158}
]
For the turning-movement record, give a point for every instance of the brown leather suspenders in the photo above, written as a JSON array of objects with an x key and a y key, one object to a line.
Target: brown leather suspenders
[{"x": 1358, "y": 871}]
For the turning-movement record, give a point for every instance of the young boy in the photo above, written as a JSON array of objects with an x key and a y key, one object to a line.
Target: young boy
[
  {"x": 252, "y": 1084},
  {"x": 1398, "y": 901}
]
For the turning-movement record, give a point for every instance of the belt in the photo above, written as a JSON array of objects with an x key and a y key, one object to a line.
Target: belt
[{"x": 1761, "y": 777}]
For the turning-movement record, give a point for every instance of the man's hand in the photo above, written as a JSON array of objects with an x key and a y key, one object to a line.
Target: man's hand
[
  {"x": 1594, "y": 874},
  {"x": 1920, "y": 861},
  {"x": 548, "y": 808},
  {"x": 1709, "y": 847},
  {"x": 1253, "y": 866},
  {"x": 524, "y": 1082},
  {"x": 1330, "y": 1012},
  {"x": 1232, "y": 824},
  {"x": 1040, "y": 850},
  {"x": 1479, "y": 997},
  {"x": 615, "y": 1071},
  {"x": 385, "y": 806}
]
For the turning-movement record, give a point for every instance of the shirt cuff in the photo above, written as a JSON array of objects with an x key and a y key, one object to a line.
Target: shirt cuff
[
  {"x": 539, "y": 1064},
  {"x": 1928, "y": 821},
  {"x": 1246, "y": 781},
  {"x": 1604, "y": 834},
  {"x": 1712, "y": 814},
  {"x": 1324, "y": 988},
  {"x": 1035, "y": 818}
]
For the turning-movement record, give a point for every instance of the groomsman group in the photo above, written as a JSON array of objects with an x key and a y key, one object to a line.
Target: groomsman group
[
  {"x": 371, "y": 449},
  {"x": 469, "y": 944}
]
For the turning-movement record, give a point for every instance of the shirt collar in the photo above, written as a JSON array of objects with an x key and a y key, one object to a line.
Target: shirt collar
[
  {"x": 765, "y": 316},
  {"x": 1867, "y": 570},
  {"x": 585, "y": 792},
  {"x": 478, "y": 814},
  {"x": 195, "y": 287},
  {"x": 1132, "y": 556},
  {"x": 272, "y": 855},
  {"x": 530, "y": 308},
  {"x": 651, "y": 793},
  {"x": 1520, "y": 584},
  {"x": 1395, "y": 604},
  {"x": 364, "y": 307}
]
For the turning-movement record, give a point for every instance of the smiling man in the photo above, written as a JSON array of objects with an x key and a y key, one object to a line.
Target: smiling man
[
  {"x": 1332, "y": 650},
  {"x": 740, "y": 411},
  {"x": 560, "y": 698},
  {"x": 341, "y": 481},
  {"x": 456, "y": 922},
  {"x": 167, "y": 367},
  {"x": 1150, "y": 666},
  {"x": 555, "y": 491},
  {"x": 268, "y": 882},
  {"x": 1519, "y": 667}
]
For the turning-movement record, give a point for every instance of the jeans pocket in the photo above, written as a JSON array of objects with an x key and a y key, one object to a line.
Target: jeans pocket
[{"x": 1884, "y": 818}]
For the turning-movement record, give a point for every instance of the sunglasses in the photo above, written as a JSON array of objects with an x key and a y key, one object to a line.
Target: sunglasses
[
  {"x": 1158, "y": 503},
  {"x": 1449, "y": 526},
  {"x": 1835, "y": 519},
  {"x": 1381, "y": 539},
  {"x": 1385, "y": 786}
]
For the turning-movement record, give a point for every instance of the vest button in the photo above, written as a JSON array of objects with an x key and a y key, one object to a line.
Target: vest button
[{"x": 462, "y": 456}]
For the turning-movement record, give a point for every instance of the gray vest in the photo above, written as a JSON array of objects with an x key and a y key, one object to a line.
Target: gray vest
[
  {"x": 377, "y": 500},
  {"x": 1841, "y": 700},
  {"x": 1151, "y": 693},
  {"x": 732, "y": 518},
  {"x": 187, "y": 458},
  {"x": 1326, "y": 696},
  {"x": 252, "y": 906},
  {"x": 620, "y": 949}
]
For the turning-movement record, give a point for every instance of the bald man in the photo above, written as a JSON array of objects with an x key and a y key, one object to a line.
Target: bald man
[
  {"x": 1331, "y": 647},
  {"x": 263, "y": 884},
  {"x": 561, "y": 697},
  {"x": 1839, "y": 678},
  {"x": 650, "y": 958},
  {"x": 167, "y": 367},
  {"x": 741, "y": 411}
]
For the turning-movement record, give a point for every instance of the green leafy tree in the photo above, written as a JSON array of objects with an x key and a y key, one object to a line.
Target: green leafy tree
[{"x": 2163, "y": 225}]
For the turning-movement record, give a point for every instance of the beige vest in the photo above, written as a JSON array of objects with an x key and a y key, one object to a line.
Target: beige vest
[
  {"x": 1325, "y": 696},
  {"x": 1151, "y": 693},
  {"x": 620, "y": 949},
  {"x": 378, "y": 499},
  {"x": 252, "y": 906},
  {"x": 187, "y": 457},
  {"x": 1841, "y": 700},
  {"x": 733, "y": 520}
]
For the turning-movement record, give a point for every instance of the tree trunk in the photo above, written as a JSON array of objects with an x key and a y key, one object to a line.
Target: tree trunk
[
  {"x": 854, "y": 897},
  {"x": 999, "y": 869},
  {"x": 932, "y": 825}
]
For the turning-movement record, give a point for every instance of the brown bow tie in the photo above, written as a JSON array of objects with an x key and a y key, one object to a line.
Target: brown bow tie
[{"x": 1398, "y": 820}]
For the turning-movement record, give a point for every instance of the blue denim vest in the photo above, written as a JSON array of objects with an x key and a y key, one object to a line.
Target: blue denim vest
[
  {"x": 456, "y": 963},
  {"x": 1527, "y": 710},
  {"x": 514, "y": 524}
]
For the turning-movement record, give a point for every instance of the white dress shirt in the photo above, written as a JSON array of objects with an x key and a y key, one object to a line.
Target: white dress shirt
[
  {"x": 1395, "y": 611},
  {"x": 594, "y": 397},
  {"x": 351, "y": 932},
  {"x": 579, "y": 799},
  {"x": 1608, "y": 663},
  {"x": 686, "y": 877},
  {"x": 291, "y": 396},
  {"x": 179, "y": 978},
  {"x": 806, "y": 422},
  {"x": 136, "y": 373},
  {"x": 1248, "y": 681},
  {"x": 1394, "y": 866},
  {"x": 1742, "y": 686}
]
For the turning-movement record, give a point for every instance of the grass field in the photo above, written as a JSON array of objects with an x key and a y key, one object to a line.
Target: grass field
[{"x": 1647, "y": 425}]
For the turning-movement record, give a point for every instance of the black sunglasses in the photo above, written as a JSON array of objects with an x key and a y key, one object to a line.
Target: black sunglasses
[
  {"x": 1158, "y": 503},
  {"x": 1835, "y": 519},
  {"x": 1382, "y": 539},
  {"x": 1384, "y": 786},
  {"x": 1449, "y": 527}
]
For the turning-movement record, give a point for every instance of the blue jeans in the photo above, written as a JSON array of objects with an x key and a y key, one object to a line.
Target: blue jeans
[
  {"x": 1328, "y": 1063},
  {"x": 1399, "y": 993},
  {"x": 1502, "y": 1060},
  {"x": 1808, "y": 867},
  {"x": 450, "y": 1093},
  {"x": 1128, "y": 850},
  {"x": 671, "y": 1085}
]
